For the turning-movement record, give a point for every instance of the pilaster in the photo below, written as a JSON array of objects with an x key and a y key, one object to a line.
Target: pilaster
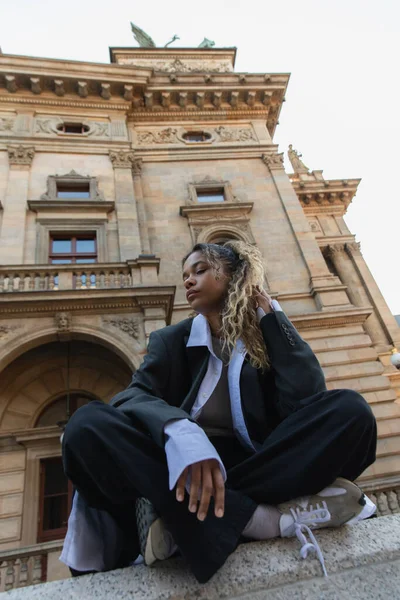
[
  {"x": 325, "y": 287},
  {"x": 125, "y": 205},
  {"x": 356, "y": 292},
  {"x": 15, "y": 204},
  {"x": 141, "y": 209},
  {"x": 386, "y": 319}
]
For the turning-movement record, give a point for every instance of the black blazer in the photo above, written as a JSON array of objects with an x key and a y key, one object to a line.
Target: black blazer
[{"x": 166, "y": 384}]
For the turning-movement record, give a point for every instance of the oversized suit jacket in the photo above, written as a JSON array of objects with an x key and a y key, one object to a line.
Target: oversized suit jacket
[{"x": 166, "y": 384}]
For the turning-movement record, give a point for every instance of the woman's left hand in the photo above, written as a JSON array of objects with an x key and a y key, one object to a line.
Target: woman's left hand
[{"x": 262, "y": 299}]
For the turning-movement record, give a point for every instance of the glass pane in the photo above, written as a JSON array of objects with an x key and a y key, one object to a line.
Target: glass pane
[
  {"x": 73, "y": 194},
  {"x": 55, "y": 512},
  {"x": 61, "y": 261},
  {"x": 62, "y": 246},
  {"x": 210, "y": 196},
  {"x": 55, "y": 479},
  {"x": 85, "y": 245},
  {"x": 85, "y": 260}
]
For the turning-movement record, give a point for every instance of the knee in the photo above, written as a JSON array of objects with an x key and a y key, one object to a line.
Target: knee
[
  {"x": 84, "y": 424},
  {"x": 353, "y": 406}
]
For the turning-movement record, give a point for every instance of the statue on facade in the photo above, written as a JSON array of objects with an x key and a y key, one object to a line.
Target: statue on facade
[
  {"x": 63, "y": 321},
  {"x": 206, "y": 43},
  {"x": 144, "y": 40},
  {"x": 296, "y": 162}
]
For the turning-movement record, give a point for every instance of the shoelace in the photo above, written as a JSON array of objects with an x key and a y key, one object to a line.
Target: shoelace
[{"x": 303, "y": 520}]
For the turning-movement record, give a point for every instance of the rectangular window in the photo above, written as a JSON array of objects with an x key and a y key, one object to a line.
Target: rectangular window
[
  {"x": 73, "y": 190},
  {"x": 55, "y": 500},
  {"x": 67, "y": 249},
  {"x": 214, "y": 195}
]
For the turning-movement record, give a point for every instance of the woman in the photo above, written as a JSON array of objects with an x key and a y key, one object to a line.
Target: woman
[{"x": 227, "y": 422}]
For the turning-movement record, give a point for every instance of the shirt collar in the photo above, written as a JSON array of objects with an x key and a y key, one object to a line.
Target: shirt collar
[{"x": 200, "y": 335}]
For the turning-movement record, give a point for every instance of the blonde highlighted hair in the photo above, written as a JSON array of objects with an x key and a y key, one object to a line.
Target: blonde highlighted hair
[{"x": 243, "y": 265}]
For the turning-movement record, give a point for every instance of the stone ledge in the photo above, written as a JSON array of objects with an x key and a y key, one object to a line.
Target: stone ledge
[{"x": 362, "y": 561}]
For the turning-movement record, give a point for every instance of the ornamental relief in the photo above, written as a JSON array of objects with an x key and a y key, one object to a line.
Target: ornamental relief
[
  {"x": 7, "y": 125},
  {"x": 50, "y": 127},
  {"x": 172, "y": 135},
  {"x": 129, "y": 326},
  {"x": 180, "y": 66}
]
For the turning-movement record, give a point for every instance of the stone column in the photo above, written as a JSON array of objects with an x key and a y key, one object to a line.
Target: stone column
[
  {"x": 125, "y": 205},
  {"x": 357, "y": 292},
  {"x": 387, "y": 320},
  {"x": 326, "y": 288},
  {"x": 141, "y": 209},
  {"x": 12, "y": 235}
]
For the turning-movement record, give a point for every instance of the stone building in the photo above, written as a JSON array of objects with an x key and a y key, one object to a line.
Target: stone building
[{"x": 108, "y": 175}]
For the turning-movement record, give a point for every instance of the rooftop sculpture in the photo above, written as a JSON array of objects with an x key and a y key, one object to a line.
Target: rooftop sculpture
[{"x": 145, "y": 41}]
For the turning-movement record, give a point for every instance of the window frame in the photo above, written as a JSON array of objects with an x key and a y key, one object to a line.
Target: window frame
[
  {"x": 60, "y": 532},
  {"x": 74, "y": 255},
  {"x": 209, "y": 186}
]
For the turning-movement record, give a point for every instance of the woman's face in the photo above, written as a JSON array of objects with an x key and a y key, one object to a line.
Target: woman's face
[{"x": 205, "y": 289}]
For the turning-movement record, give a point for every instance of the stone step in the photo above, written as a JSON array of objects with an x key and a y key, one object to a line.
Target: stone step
[
  {"x": 386, "y": 410},
  {"x": 361, "y": 384},
  {"x": 380, "y": 396},
  {"x": 362, "y": 562},
  {"x": 388, "y": 427},
  {"x": 343, "y": 357},
  {"x": 386, "y": 466},
  {"x": 339, "y": 343},
  {"x": 314, "y": 334},
  {"x": 351, "y": 370},
  {"x": 387, "y": 446}
]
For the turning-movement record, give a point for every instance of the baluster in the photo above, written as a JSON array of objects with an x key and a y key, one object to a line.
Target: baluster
[
  {"x": 10, "y": 283},
  {"x": 87, "y": 280},
  {"x": 382, "y": 504},
  {"x": 124, "y": 282},
  {"x": 31, "y": 282},
  {"x": 41, "y": 281},
  {"x": 112, "y": 279},
  {"x": 37, "y": 569},
  {"x": 10, "y": 575},
  {"x": 23, "y": 579},
  {"x": 106, "y": 279},
  {"x": 1, "y": 283},
  {"x": 129, "y": 277},
  {"x": 93, "y": 280},
  {"x": 51, "y": 281},
  {"x": 100, "y": 280},
  {"x": 21, "y": 283},
  {"x": 393, "y": 502},
  {"x": 79, "y": 280}
]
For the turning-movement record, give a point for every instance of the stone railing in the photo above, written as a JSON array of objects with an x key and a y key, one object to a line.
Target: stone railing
[
  {"x": 387, "y": 501},
  {"x": 25, "y": 566},
  {"x": 42, "y": 278}
]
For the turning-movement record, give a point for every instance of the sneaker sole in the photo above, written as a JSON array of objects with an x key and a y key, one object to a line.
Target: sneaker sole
[
  {"x": 368, "y": 510},
  {"x": 146, "y": 519}
]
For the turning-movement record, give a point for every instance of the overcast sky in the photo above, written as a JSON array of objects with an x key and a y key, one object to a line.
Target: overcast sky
[{"x": 342, "y": 102}]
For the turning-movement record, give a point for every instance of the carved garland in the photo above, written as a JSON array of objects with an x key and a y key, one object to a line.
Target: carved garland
[{"x": 129, "y": 326}]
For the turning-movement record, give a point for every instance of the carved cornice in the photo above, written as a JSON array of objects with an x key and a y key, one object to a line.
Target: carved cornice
[
  {"x": 206, "y": 214},
  {"x": 273, "y": 161},
  {"x": 320, "y": 195},
  {"x": 122, "y": 159},
  {"x": 20, "y": 155},
  {"x": 325, "y": 319}
]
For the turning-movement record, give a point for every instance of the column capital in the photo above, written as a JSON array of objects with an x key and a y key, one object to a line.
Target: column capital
[
  {"x": 20, "y": 155},
  {"x": 122, "y": 159},
  {"x": 273, "y": 161},
  {"x": 354, "y": 247},
  {"x": 335, "y": 249},
  {"x": 137, "y": 167}
]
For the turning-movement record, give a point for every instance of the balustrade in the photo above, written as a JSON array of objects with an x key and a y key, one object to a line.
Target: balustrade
[
  {"x": 25, "y": 566},
  {"x": 64, "y": 277}
]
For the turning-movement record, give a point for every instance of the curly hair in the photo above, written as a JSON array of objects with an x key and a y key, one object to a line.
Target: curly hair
[{"x": 243, "y": 265}]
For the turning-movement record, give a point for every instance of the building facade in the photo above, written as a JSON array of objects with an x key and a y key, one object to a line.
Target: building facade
[{"x": 108, "y": 175}]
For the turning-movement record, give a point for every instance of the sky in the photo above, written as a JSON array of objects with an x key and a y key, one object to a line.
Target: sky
[{"x": 341, "y": 109}]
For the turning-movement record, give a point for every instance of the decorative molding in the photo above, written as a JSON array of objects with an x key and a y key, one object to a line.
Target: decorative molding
[
  {"x": 20, "y": 155},
  {"x": 336, "y": 249},
  {"x": 164, "y": 136},
  {"x": 129, "y": 326},
  {"x": 177, "y": 65},
  {"x": 6, "y": 329},
  {"x": 273, "y": 161},
  {"x": 232, "y": 134},
  {"x": 49, "y": 126},
  {"x": 209, "y": 185},
  {"x": 63, "y": 321},
  {"x": 122, "y": 159},
  {"x": 7, "y": 124},
  {"x": 71, "y": 178}
]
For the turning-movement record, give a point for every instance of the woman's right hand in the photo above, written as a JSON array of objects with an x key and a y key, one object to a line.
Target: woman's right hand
[{"x": 207, "y": 480}]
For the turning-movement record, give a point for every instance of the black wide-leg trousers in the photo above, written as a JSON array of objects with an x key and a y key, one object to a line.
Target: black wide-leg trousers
[{"x": 111, "y": 463}]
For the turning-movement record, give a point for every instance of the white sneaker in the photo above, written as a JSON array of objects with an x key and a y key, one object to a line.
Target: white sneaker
[{"x": 340, "y": 503}]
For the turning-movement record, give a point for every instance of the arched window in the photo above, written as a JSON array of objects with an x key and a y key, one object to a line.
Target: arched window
[{"x": 56, "y": 412}]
